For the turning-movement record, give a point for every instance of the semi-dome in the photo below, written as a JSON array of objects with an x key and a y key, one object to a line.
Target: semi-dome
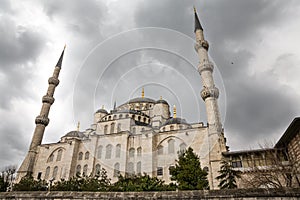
[
  {"x": 102, "y": 110},
  {"x": 175, "y": 121},
  {"x": 75, "y": 134},
  {"x": 141, "y": 100}
]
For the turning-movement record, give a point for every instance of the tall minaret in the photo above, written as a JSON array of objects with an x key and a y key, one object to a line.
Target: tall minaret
[
  {"x": 210, "y": 92},
  {"x": 41, "y": 122}
]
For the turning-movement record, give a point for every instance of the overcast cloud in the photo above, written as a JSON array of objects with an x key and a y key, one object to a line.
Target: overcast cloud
[{"x": 112, "y": 53}]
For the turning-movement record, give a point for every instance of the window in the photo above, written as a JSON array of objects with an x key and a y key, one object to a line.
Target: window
[
  {"x": 182, "y": 148},
  {"x": 171, "y": 128},
  {"x": 51, "y": 158},
  {"x": 47, "y": 173},
  {"x": 120, "y": 116},
  {"x": 130, "y": 168},
  {"x": 237, "y": 164},
  {"x": 105, "y": 129},
  {"x": 119, "y": 128},
  {"x": 55, "y": 170},
  {"x": 170, "y": 169},
  {"x": 205, "y": 169},
  {"x": 97, "y": 170},
  {"x": 59, "y": 154},
  {"x": 80, "y": 155},
  {"x": 118, "y": 151},
  {"x": 139, "y": 168},
  {"x": 159, "y": 171},
  {"x": 86, "y": 155},
  {"x": 108, "y": 151},
  {"x": 117, "y": 170},
  {"x": 78, "y": 170},
  {"x": 115, "y": 117},
  {"x": 112, "y": 127},
  {"x": 85, "y": 169},
  {"x": 171, "y": 143},
  {"x": 99, "y": 152},
  {"x": 139, "y": 152},
  {"x": 39, "y": 176},
  {"x": 160, "y": 150},
  {"x": 131, "y": 152}
]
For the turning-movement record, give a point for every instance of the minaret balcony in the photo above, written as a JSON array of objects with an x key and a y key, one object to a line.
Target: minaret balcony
[
  {"x": 205, "y": 66},
  {"x": 201, "y": 44},
  {"x": 53, "y": 80},
  {"x": 210, "y": 92},
  {"x": 42, "y": 120},
  {"x": 48, "y": 99}
]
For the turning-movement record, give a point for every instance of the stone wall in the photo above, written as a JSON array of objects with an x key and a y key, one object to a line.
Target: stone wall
[{"x": 237, "y": 194}]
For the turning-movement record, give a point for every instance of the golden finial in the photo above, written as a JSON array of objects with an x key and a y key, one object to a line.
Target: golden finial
[
  {"x": 65, "y": 46},
  {"x": 143, "y": 92},
  {"x": 160, "y": 98},
  {"x": 102, "y": 106},
  {"x": 195, "y": 9},
  {"x": 78, "y": 126},
  {"x": 174, "y": 111}
]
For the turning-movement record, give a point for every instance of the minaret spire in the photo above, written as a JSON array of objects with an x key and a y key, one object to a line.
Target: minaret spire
[
  {"x": 41, "y": 122},
  {"x": 210, "y": 92}
]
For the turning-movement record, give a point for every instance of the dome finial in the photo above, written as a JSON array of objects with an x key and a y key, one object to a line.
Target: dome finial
[
  {"x": 102, "y": 106},
  {"x": 160, "y": 98},
  {"x": 143, "y": 92},
  {"x": 174, "y": 112},
  {"x": 78, "y": 126}
]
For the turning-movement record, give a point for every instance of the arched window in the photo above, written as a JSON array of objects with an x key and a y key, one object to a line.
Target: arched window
[
  {"x": 105, "y": 129},
  {"x": 85, "y": 169},
  {"x": 171, "y": 146},
  {"x": 118, "y": 151},
  {"x": 131, "y": 152},
  {"x": 127, "y": 115},
  {"x": 47, "y": 173},
  {"x": 164, "y": 129},
  {"x": 97, "y": 170},
  {"x": 139, "y": 152},
  {"x": 55, "y": 170},
  {"x": 59, "y": 154},
  {"x": 119, "y": 128},
  {"x": 51, "y": 158},
  {"x": 115, "y": 117},
  {"x": 182, "y": 147},
  {"x": 139, "y": 168},
  {"x": 171, "y": 128},
  {"x": 78, "y": 170},
  {"x": 80, "y": 155},
  {"x": 160, "y": 150},
  {"x": 133, "y": 130},
  {"x": 108, "y": 151},
  {"x": 130, "y": 168},
  {"x": 120, "y": 116},
  {"x": 139, "y": 118},
  {"x": 112, "y": 127},
  {"x": 99, "y": 152},
  {"x": 116, "y": 170},
  {"x": 86, "y": 155}
]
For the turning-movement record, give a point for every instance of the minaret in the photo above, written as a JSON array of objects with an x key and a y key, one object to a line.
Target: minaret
[
  {"x": 210, "y": 92},
  {"x": 41, "y": 122}
]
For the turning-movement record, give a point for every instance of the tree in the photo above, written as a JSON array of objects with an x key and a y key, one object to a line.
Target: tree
[
  {"x": 3, "y": 184},
  {"x": 188, "y": 173},
  {"x": 140, "y": 183},
  {"x": 27, "y": 183},
  {"x": 227, "y": 176},
  {"x": 7, "y": 177}
]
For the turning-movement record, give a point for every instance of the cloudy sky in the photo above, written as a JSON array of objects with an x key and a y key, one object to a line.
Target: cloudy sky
[{"x": 114, "y": 48}]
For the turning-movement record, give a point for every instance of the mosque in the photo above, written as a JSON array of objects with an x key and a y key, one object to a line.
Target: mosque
[{"x": 139, "y": 136}]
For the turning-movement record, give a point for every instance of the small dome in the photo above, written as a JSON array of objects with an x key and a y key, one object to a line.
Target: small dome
[
  {"x": 102, "y": 110},
  {"x": 175, "y": 121},
  {"x": 74, "y": 134},
  {"x": 162, "y": 101}
]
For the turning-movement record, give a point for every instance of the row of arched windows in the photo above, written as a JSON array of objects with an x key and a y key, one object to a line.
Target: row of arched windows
[
  {"x": 54, "y": 173},
  {"x": 131, "y": 152},
  {"x": 86, "y": 155},
  {"x": 108, "y": 151},
  {"x": 112, "y": 128},
  {"x": 84, "y": 171},
  {"x": 114, "y": 117},
  {"x": 171, "y": 147},
  {"x": 130, "y": 169},
  {"x": 58, "y": 156}
]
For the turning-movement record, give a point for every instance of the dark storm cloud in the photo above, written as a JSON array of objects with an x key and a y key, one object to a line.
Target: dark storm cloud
[{"x": 256, "y": 108}]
